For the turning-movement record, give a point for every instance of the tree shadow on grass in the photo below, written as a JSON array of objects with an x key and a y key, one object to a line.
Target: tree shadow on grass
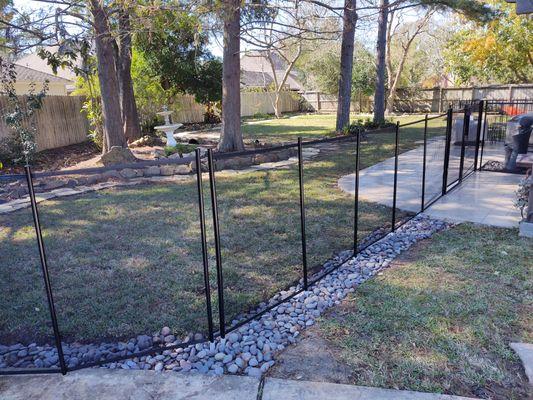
[{"x": 127, "y": 260}]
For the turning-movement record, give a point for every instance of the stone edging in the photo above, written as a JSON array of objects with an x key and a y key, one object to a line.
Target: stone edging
[{"x": 47, "y": 190}]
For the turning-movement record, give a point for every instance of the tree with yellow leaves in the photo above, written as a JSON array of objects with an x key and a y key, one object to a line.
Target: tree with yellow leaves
[{"x": 500, "y": 51}]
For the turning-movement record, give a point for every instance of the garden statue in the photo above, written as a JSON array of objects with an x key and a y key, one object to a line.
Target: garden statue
[{"x": 168, "y": 128}]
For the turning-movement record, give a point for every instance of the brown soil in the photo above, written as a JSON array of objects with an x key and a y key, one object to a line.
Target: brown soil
[
  {"x": 311, "y": 359},
  {"x": 82, "y": 155},
  {"x": 63, "y": 157}
]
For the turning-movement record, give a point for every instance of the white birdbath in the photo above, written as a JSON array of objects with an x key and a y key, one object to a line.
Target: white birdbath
[{"x": 168, "y": 128}]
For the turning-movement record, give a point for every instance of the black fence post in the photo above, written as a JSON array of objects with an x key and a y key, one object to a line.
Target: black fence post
[
  {"x": 302, "y": 211},
  {"x": 486, "y": 106},
  {"x": 205, "y": 258},
  {"x": 394, "y": 193},
  {"x": 447, "y": 148},
  {"x": 218, "y": 256},
  {"x": 356, "y": 194},
  {"x": 466, "y": 129},
  {"x": 423, "y": 200},
  {"x": 44, "y": 268},
  {"x": 478, "y": 132}
]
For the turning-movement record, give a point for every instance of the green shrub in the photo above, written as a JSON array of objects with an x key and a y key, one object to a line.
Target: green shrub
[
  {"x": 363, "y": 125},
  {"x": 180, "y": 148}
]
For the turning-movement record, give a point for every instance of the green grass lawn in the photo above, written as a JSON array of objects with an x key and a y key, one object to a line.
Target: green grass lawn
[
  {"x": 127, "y": 260},
  {"x": 308, "y": 126},
  {"x": 441, "y": 320}
]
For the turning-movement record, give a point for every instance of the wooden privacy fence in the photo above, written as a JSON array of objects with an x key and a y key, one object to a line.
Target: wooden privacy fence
[
  {"x": 59, "y": 123},
  {"x": 187, "y": 110},
  {"x": 253, "y": 103},
  {"x": 438, "y": 99},
  {"x": 322, "y": 102}
]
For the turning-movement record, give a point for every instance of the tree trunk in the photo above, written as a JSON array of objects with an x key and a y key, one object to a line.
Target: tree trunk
[
  {"x": 381, "y": 46},
  {"x": 231, "y": 135},
  {"x": 394, "y": 79},
  {"x": 345, "y": 79},
  {"x": 394, "y": 84},
  {"x": 130, "y": 117},
  {"x": 277, "y": 110},
  {"x": 107, "y": 75},
  {"x": 279, "y": 85}
]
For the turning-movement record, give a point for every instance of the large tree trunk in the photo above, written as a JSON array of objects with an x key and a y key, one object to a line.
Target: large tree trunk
[
  {"x": 231, "y": 135},
  {"x": 130, "y": 117},
  {"x": 107, "y": 75},
  {"x": 345, "y": 79},
  {"x": 381, "y": 46}
]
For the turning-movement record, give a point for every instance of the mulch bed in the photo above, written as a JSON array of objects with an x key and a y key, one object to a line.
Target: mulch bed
[{"x": 55, "y": 159}]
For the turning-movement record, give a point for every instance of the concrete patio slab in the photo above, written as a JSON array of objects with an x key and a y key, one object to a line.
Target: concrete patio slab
[
  {"x": 484, "y": 197},
  {"x": 525, "y": 352},
  {"x": 276, "y": 389},
  {"x": 105, "y": 384}
]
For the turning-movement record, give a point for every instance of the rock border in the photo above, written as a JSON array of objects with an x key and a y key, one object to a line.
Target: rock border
[{"x": 47, "y": 189}]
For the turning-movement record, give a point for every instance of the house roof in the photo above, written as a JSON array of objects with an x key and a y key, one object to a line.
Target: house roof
[
  {"x": 256, "y": 71},
  {"x": 264, "y": 79},
  {"x": 34, "y": 62},
  {"x": 32, "y": 75}
]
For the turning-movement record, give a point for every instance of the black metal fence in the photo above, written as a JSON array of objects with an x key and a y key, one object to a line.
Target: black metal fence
[
  {"x": 291, "y": 223},
  {"x": 496, "y": 115}
]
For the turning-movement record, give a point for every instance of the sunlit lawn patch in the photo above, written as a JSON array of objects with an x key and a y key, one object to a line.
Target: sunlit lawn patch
[{"x": 442, "y": 320}]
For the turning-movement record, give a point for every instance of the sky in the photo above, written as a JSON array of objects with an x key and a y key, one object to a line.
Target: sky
[{"x": 365, "y": 31}]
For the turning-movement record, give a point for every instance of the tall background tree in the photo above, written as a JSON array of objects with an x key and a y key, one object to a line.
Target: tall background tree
[
  {"x": 344, "y": 97},
  {"x": 279, "y": 31},
  {"x": 175, "y": 50},
  {"x": 499, "y": 51},
  {"x": 231, "y": 134},
  {"x": 319, "y": 69},
  {"x": 130, "y": 116},
  {"x": 404, "y": 36},
  {"x": 472, "y": 9},
  {"x": 381, "y": 48},
  {"x": 107, "y": 76}
]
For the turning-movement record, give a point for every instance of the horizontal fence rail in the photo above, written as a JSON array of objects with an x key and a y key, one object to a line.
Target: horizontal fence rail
[{"x": 436, "y": 147}]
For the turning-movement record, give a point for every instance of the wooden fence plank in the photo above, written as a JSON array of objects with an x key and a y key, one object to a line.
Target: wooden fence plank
[{"x": 59, "y": 123}]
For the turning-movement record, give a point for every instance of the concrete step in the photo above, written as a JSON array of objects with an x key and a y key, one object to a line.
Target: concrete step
[
  {"x": 275, "y": 389},
  {"x": 106, "y": 384}
]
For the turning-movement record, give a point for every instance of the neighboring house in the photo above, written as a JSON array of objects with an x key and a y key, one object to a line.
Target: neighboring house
[
  {"x": 33, "y": 68},
  {"x": 256, "y": 72},
  {"x": 26, "y": 76}
]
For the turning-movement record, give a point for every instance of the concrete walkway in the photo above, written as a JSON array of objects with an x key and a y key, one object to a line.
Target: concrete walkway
[
  {"x": 105, "y": 384},
  {"x": 525, "y": 352},
  {"x": 484, "y": 197},
  {"x": 277, "y": 389}
]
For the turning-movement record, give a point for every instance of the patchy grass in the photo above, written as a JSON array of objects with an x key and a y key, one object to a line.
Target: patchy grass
[
  {"x": 127, "y": 260},
  {"x": 441, "y": 320}
]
